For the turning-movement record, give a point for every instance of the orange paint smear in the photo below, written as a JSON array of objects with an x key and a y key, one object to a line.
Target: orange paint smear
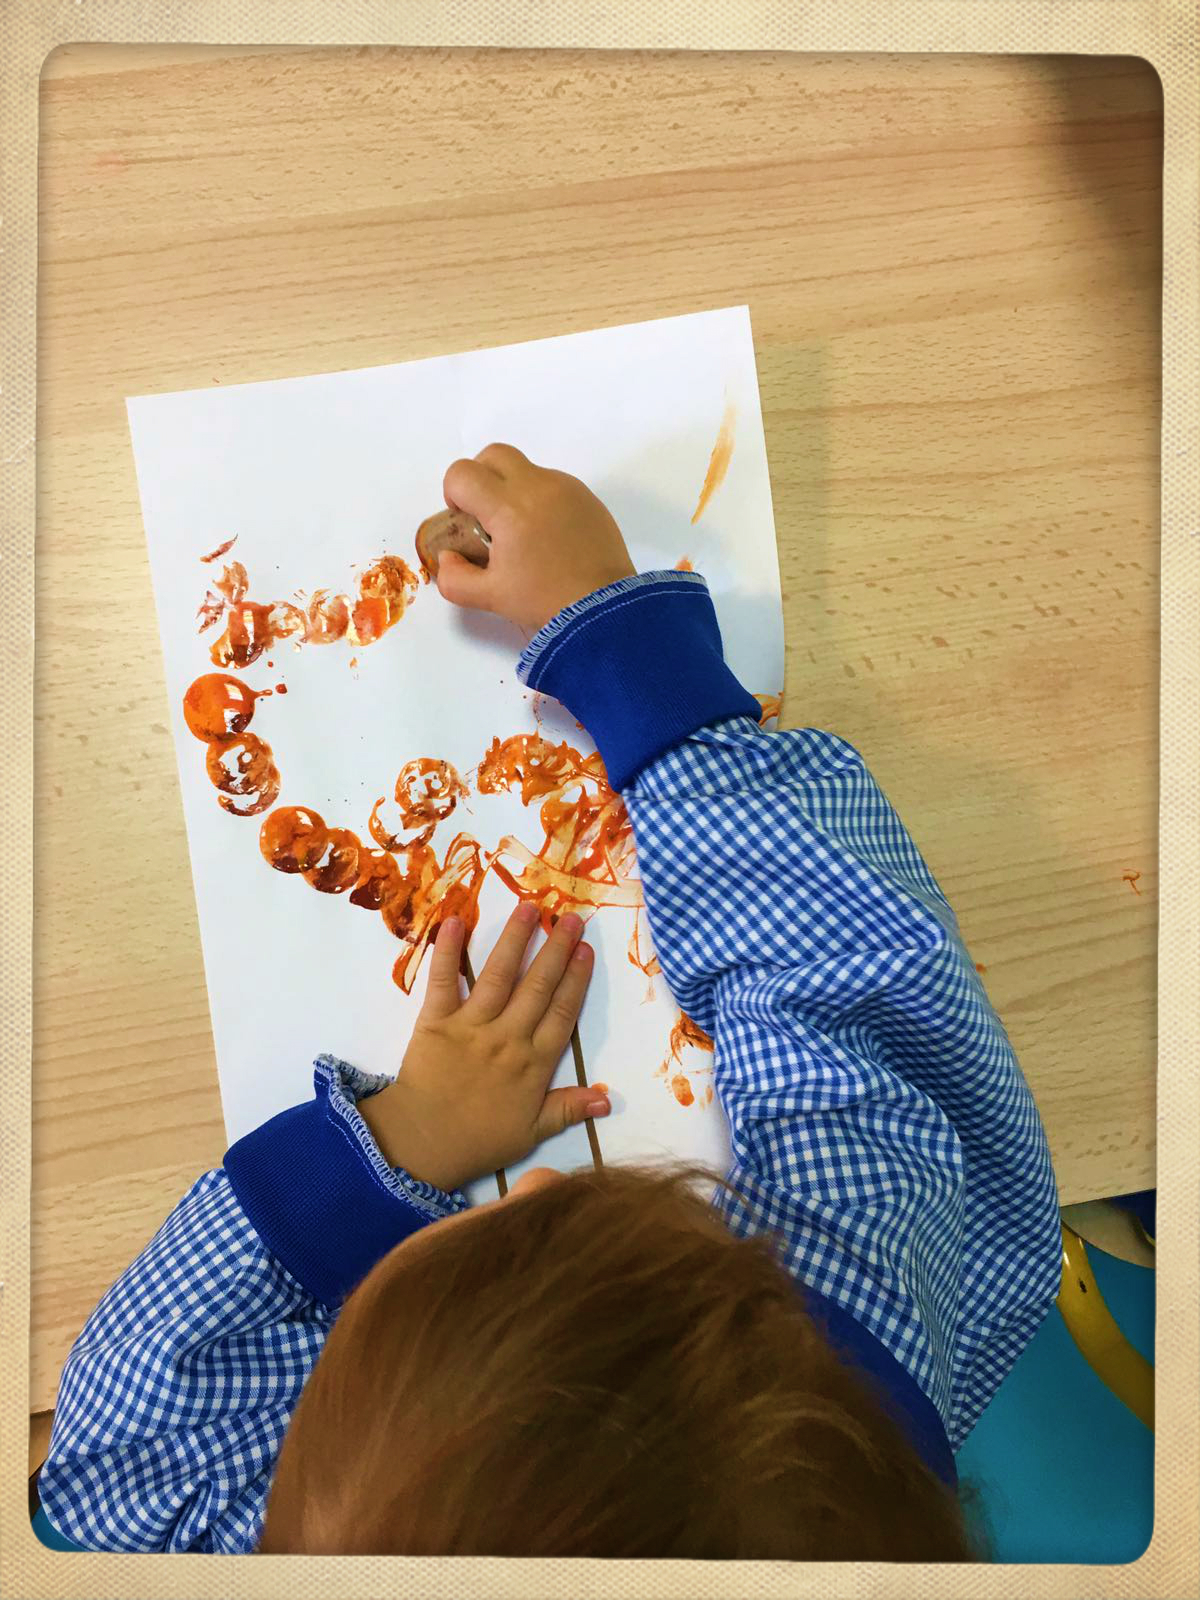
[
  {"x": 772, "y": 705},
  {"x": 586, "y": 856},
  {"x": 718, "y": 462},
  {"x": 222, "y": 549},
  {"x": 411, "y": 889},
  {"x": 217, "y": 709},
  {"x": 684, "y": 564},
  {"x": 252, "y": 627},
  {"x": 426, "y": 793},
  {"x": 645, "y": 961},
  {"x": 686, "y": 1034}
]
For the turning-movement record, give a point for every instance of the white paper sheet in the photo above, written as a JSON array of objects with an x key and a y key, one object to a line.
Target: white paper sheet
[{"x": 319, "y": 477}]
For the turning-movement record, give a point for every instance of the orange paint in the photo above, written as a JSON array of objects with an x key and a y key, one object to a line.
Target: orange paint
[
  {"x": 222, "y": 549},
  {"x": 252, "y": 627},
  {"x": 686, "y": 1034},
  {"x": 586, "y": 855},
  {"x": 684, "y": 564},
  {"x": 979, "y": 967},
  {"x": 646, "y": 962},
  {"x": 412, "y": 891},
  {"x": 718, "y": 462},
  {"x": 217, "y": 709},
  {"x": 426, "y": 793},
  {"x": 772, "y": 705},
  {"x": 1131, "y": 879},
  {"x": 586, "y": 859}
]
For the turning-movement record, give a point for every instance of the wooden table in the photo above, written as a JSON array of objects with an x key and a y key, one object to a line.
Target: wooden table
[{"x": 953, "y": 268}]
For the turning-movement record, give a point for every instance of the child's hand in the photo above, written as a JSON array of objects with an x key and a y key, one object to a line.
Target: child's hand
[
  {"x": 471, "y": 1096},
  {"x": 553, "y": 541}
]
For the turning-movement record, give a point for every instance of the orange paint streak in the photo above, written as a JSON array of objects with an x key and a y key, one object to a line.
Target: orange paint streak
[
  {"x": 684, "y": 564},
  {"x": 646, "y": 962},
  {"x": 222, "y": 549},
  {"x": 586, "y": 857},
  {"x": 772, "y": 705},
  {"x": 1131, "y": 879},
  {"x": 718, "y": 462},
  {"x": 682, "y": 1089},
  {"x": 253, "y": 626}
]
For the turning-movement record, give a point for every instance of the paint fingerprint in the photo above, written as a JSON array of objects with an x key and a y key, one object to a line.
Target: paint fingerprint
[{"x": 718, "y": 462}]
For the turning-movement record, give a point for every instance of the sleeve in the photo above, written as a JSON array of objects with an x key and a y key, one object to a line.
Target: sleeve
[
  {"x": 174, "y": 1400},
  {"x": 880, "y": 1123}
]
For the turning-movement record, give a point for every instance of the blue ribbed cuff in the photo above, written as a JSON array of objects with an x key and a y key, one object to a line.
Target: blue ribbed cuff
[
  {"x": 640, "y": 664},
  {"x": 318, "y": 1192}
]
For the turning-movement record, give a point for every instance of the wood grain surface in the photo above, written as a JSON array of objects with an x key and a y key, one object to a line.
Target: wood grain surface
[{"x": 952, "y": 266}]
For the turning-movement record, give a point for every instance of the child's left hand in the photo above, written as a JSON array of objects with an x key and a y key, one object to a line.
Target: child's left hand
[{"x": 471, "y": 1096}]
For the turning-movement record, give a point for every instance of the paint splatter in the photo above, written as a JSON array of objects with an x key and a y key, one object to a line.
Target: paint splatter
[
  {"x": 685, "y": 563},
  {"x": 772, "y": 705},
  {"x": 1131, "y": 878},
  {"x": 718, "y": 462}
]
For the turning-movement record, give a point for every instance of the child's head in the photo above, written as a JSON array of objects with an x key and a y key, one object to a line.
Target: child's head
[{"x": 595, "y": 1366}]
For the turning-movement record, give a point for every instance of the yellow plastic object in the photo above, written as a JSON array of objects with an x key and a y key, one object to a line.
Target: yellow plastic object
[{"x": 1101, "y": 1343}]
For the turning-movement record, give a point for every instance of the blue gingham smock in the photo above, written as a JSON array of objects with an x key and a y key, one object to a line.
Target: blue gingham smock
[{"x": 881, "y": 1127}]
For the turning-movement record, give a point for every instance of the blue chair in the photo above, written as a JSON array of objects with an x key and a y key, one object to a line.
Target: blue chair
[{"x": 1062, "y": 1467}]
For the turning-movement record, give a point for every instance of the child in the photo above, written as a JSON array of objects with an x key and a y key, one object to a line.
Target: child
[{"x": 605, "y": 1364}]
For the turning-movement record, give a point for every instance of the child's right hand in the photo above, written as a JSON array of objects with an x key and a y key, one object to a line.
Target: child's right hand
[{"x": 553, "y": 541}]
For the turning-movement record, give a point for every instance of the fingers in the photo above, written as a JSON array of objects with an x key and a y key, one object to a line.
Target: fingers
[
  {"x": 443, "y": 993},
  {"x": 463, "y": 583},
  {"x": 552, "y": 1034},
  {"x": 494, "y": 985},
  {"x": 504, "y": 459},
  {"x": 475, "y": 487},
  {"x": 566, "y": 1108},
  {"x": 533, "y": 996}
]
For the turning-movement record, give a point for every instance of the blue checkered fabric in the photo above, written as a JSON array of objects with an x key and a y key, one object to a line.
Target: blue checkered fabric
[
  {"x": 881, "y": 1125},
  {"x": 881, "y": 1129},
  {"x": 174, "y": 1400}
]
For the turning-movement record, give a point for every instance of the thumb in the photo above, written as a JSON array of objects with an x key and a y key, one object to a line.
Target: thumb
[
  {"x": 461, "y": 582},
  {"x": 566, "y": 1108}
]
